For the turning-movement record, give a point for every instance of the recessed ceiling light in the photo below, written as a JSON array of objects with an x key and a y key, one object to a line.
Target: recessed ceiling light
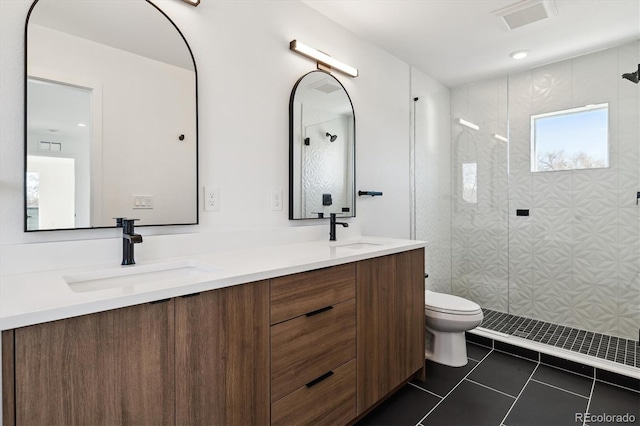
[
  {"x": 519, "y": 54},
  {"x": 82, "y": 125}
]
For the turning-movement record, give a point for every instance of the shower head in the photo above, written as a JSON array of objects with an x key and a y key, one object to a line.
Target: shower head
[
  {"x": 331, "y": 137},
  {"x": 633, "y": 76}
]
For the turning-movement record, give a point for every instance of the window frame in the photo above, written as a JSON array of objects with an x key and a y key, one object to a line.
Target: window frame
[{"x": 569, "y": 111}]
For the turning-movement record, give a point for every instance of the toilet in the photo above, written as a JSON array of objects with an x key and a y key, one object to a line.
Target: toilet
[{"x": 447, "y": 317}]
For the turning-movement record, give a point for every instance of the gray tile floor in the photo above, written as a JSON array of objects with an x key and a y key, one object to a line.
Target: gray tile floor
[{"x": 496, "y": 388}]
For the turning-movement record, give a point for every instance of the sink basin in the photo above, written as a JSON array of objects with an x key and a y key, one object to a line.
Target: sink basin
[
  {"x": 129, "y": 276},
  {"x": 357, "y": 246}
]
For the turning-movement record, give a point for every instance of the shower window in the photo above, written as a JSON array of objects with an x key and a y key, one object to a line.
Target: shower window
[
  {"x": 570, "y": 139},
  {"x": 33, "y": 200},
  {"x": 470, "y": 182}
]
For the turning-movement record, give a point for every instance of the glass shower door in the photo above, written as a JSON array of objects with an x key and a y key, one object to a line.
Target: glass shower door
[{"x": 479, "y": 194}]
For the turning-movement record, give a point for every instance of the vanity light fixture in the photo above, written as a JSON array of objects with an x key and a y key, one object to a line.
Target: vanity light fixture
[
  {"x": 192, "y": 2},
  {"x": 323, "y": 59},
  {"x": 467, "y": 124},
  {"x": 520, "y": 54}
]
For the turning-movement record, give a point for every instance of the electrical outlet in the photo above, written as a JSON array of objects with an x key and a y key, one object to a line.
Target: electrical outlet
[
  {"x": 276, "y": 199},
  {"x": 212, "y": 199}
]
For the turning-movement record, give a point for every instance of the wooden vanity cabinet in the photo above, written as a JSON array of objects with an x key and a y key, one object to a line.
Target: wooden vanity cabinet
[
  {"x": 112, "y": 367},
  {"x": 222, "y": 356},
  {"x": 200, "y": 359},
  {"x": 390, "y": 305},
  {"x": 386, "y": 295},
  {"x": 8, "y": 380},
  {"x": 313, "y": 347},
  {"x": 317, "y": 347}
]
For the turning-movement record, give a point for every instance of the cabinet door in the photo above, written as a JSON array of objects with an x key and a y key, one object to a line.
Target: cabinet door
[
  {"x": 390, "y": 323},
  {"x": 222, "y": 356},
  {"x": 8, "y": 380},
  {"x": 109, "y": 368}
]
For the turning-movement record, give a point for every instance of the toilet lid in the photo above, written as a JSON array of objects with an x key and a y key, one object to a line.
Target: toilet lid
[{"x": 448, "y": 303}]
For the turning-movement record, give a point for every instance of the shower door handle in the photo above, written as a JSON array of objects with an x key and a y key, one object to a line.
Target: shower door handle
[{"x": 637, "y": 197}]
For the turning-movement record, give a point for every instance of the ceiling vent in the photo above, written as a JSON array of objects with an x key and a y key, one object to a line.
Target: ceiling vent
[
  {"x": 324, "y": 86},
  {"x": 526, "y": 12}
]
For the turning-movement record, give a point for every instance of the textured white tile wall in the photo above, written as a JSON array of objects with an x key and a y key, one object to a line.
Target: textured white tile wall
[{"x": 576, "y": 259}]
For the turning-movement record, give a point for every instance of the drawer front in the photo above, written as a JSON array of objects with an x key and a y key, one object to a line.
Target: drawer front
[
  {"x": 297, "y": 294},
  {"x": 331, "y": 401},
  {"x": 306, "y": 347}
]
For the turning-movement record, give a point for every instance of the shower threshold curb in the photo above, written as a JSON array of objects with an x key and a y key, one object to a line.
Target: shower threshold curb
[{"x": 591, "y": 361}]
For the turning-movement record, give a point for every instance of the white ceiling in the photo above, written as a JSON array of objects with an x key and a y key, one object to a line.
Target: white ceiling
[
  {"x": 117, "y": 23},
  {"x": 460, "y": 41}
]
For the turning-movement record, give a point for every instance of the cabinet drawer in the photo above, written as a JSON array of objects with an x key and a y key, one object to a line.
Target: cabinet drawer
[
  {"x": 297, "y": 294},
  {"x": 306, "y": 347},
  {"x": 331, "y": 401}
]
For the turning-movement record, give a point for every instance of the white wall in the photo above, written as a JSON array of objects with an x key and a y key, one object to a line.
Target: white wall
[{"x": 246, "y": 73}]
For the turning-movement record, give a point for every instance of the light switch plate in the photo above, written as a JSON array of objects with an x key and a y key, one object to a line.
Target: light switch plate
[{"x": 143, "y": 202}]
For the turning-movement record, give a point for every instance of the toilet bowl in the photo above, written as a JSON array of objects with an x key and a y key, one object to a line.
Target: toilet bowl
[{"x": 447, "y": 317}]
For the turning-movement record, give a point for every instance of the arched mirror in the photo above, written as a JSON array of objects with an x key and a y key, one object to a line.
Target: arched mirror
[
  {"x": 321, "y": 148},
  {"x": 111, "y": 116}
]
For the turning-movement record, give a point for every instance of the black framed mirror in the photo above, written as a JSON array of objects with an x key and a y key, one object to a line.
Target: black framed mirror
[
  {"x": 322, "y": 141},
  {"x": 111, "y": 116}
]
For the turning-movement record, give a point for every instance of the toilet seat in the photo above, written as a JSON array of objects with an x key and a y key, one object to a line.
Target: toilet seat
[{"x": 449, "y": 304}]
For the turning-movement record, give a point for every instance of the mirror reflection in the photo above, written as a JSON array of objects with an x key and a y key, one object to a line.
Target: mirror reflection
[
  {"x": 111, "y": 116},
  {"x": 322, "y": 148}
]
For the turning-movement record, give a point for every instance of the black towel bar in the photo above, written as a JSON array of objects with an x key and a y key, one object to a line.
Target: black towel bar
[{"x": 372, "y": 193}]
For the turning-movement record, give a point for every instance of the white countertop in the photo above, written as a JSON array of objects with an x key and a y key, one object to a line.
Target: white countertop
[{"x": 34, "y": 298}]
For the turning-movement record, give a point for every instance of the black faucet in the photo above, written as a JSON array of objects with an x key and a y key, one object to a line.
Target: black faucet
[
  {"x": 129, "y": 238},
  {"x": 332, "y": 226}
]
